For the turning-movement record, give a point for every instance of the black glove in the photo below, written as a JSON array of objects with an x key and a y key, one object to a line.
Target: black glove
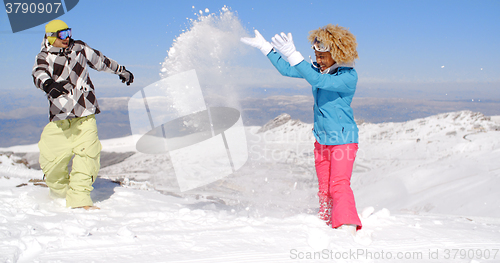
[
  {"x": 126, "y": 76},
  {"x": 55, "y": 89}
]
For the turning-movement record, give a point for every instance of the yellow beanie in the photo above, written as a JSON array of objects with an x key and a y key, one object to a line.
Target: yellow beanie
[{"x": 54, "y": 26}]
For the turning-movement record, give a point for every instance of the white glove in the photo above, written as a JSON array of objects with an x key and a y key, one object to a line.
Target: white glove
[
  {"x": 259, "y": 42},
  {"x": 284, "y": 44}
]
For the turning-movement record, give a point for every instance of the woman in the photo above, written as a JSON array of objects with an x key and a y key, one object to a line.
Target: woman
[{"x": 333, "y": 81}]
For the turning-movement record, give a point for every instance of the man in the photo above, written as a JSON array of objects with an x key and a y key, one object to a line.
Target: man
[{"x": 61, "y": 71}]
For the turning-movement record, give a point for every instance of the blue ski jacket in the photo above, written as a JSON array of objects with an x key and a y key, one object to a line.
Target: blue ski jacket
[{"x": 333, "y": 93}]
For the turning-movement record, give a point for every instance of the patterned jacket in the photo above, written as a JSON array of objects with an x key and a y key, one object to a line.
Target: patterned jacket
[{"x": 70, "y": 64}]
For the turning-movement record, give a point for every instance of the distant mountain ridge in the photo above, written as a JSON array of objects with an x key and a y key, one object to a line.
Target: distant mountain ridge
[{"x": 25, "y": 126}]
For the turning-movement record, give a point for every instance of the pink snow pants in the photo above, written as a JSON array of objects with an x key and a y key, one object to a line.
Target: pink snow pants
[{"x": 334, "y": 165}]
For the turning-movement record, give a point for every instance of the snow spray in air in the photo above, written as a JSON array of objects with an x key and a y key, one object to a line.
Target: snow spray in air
[
  {"x": 189, "y": 116},
  {"x": 212, "y": 47}
]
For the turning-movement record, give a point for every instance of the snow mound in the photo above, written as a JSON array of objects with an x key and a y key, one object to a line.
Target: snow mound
[{"x": 15, "y": 166}]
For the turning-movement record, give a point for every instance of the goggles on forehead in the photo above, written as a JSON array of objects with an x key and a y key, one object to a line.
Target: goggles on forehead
[
  {"x": 61, "y": 34},
  {"x": 320, "y": 47}
]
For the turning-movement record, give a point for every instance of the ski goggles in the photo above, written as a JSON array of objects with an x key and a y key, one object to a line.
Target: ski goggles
[
  {"x": 320, "y": 47},
  {"x": 61, "y": 34}
]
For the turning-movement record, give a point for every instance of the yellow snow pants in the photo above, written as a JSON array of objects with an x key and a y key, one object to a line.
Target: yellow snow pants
[{"x": 65, "y": 139}]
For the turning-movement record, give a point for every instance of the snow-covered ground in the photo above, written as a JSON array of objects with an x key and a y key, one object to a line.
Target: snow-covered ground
[{"x": 426, "y": 191}]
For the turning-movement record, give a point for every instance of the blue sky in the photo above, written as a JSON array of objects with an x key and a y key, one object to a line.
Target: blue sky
[{"x": 432, "y": 49}]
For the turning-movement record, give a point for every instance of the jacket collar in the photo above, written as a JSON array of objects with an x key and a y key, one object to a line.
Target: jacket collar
[
  {"x": 332, "y": 69},
  {"x": 335, "y": 66},
  {"x": 56, "y": 50}
]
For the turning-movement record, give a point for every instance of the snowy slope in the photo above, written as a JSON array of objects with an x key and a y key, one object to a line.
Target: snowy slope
[
  {"x": 425, "y": 190},
  {"x": 447, "y": 163}
]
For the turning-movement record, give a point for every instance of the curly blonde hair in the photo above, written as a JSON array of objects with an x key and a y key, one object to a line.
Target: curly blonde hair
[{"x": 342, "y": 43}]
